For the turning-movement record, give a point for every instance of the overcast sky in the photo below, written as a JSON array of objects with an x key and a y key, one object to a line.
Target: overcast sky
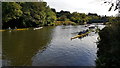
[{"x": 82, "y": 6}]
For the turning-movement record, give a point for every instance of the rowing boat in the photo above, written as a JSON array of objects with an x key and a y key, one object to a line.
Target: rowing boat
[
  {"x": 37, "y": 28},
  {"x": 2, "y": 30},
  {"x": 79, "y": 36},
  {"x": 21, "y": 29}
]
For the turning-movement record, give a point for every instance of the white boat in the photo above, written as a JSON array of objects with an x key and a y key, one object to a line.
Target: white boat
[
  {"x": 87, "y": 25},
  {"x": 91, "y": 26},
  {"x": 38, "y": 28}
]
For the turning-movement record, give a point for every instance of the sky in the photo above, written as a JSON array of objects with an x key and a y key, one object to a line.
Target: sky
[{"x": 82, "y": 6}]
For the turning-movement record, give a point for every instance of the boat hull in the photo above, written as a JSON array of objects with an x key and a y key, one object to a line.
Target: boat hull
[{"x": 79, "y": 36}]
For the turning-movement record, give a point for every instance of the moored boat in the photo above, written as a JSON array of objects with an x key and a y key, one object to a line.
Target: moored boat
[
  {"x": 91, "y": 26},
  {"x": 37, "y": 28},
  {"x": 22, "y": 29},
  {"x": 2, "y": 30}
]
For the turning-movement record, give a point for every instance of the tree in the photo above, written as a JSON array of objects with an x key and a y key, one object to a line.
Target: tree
[
  {"x": 109, "y": 42},
  {"x": 114, "y": 5},
  {"x": 78, "y": 17},
  {"x": 50, "y": 16},
  {"x": 11, "y": 11},
  {"x": 27, "y": 14}
]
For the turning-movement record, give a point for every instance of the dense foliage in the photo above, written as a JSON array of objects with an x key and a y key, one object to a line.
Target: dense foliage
[
  {"x": 109, "y": 46},
  {"x": 81, "y": 18},
  {"x": 109, "y": 43},
  {"x": 26, "y": 14},
  {"x": 35, "y": 14}
]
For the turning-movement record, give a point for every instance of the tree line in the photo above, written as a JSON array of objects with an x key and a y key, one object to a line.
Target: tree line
[
  {"x": 35, "y": 14},
  {"x": 26, "y": 14},
  {"x": 81, "y": 18}
]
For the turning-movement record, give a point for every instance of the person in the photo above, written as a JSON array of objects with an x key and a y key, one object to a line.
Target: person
[
  {"x": 80, "y": 33},
  {"x": 84, "y": 31},
  {"x": 87, "y": 30}
]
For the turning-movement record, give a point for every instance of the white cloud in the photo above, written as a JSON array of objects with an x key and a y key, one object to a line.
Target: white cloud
[{"x": 82, "y": 6}]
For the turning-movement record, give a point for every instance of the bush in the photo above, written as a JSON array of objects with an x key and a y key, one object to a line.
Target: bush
[
  {"x": 65, "y": 23},
  {"x": 109, "y": 46}
]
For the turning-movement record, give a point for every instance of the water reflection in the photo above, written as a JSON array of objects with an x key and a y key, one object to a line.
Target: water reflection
[
  {"x": 50, "y": 46},
  {"x": 64, "y": 52},
  {"x": 20, "y": 46}
]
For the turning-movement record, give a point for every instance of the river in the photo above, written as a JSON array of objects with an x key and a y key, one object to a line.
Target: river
[{"x": 49, "y": 46}]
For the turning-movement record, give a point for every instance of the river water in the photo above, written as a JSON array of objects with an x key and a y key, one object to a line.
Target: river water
[{"x": 49, "y": 46}]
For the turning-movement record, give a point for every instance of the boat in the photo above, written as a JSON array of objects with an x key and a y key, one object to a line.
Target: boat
[
  {"x": 2, "y": 30},
  {"x": 87, "y": 25},
  {"x": 91, "y": 26},
  {"x": 21, "y": 29},
  {"x": 37, "y": 28},
  {"x": 81, "y": 35}
]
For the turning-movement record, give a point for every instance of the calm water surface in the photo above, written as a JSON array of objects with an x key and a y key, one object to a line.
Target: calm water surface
[{"x": 50, "y": 46}]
